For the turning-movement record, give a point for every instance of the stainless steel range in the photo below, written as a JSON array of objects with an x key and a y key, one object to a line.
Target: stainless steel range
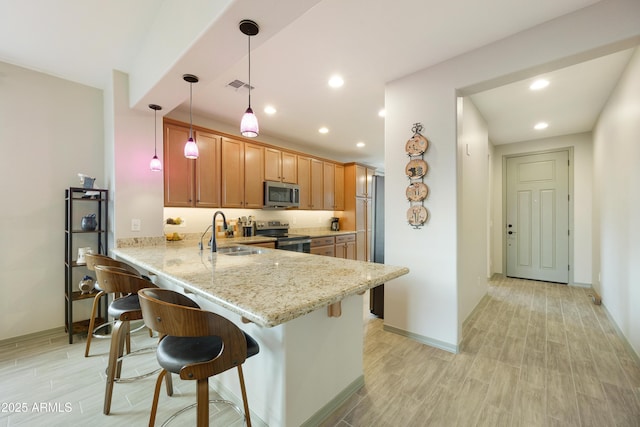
[{"x": 284, "y": 240}]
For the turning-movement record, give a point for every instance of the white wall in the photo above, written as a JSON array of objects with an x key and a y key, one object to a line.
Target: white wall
[
  {"x": 473, "y": 200},
  {"x": 424, "y": 303},
  {"x": 50, "y": 130},
  {"x": 582, "y": 184},
  {"x": 138, "y": 191},
  {"x": 616, "y": 155}
]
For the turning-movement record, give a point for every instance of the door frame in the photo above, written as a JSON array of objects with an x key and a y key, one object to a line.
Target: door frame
[{"x": 504, "y": 204}]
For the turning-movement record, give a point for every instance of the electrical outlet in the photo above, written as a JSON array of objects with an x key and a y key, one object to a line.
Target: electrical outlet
[{"x": 136, "y": 224}]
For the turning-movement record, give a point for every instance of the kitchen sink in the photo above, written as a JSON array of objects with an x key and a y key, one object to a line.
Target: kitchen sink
[{"x": 239, "y": 250}]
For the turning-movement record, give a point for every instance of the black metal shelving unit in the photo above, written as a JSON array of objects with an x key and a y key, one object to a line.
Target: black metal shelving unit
[{"x": 79, "y": 202}]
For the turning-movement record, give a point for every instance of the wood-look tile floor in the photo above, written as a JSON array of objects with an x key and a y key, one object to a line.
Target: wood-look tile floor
[{"x": 534, "y": 354}]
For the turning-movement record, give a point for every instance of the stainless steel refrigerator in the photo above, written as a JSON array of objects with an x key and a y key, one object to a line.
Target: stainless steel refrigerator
[{"x": 376, "y": 295}]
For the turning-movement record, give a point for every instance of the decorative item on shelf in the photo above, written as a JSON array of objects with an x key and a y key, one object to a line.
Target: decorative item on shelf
[
  {"x": 191, "y": 148},
  {"x": 155, "y": 164},
  {"x": 416, "y": 169},
  {"x": 249, "y": 123},
  {"x": 89, "y": 223},
  {"x": 86, "y": 285},
  {"x": 81, "y": 253},
  {"x": 89, "y": 183}
]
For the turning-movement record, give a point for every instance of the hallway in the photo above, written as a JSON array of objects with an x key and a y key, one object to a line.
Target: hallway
[{"x": 534, "y": 354}]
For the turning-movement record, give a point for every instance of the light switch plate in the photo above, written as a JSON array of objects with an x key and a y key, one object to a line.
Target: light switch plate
[{"x": 136, "y": 224}]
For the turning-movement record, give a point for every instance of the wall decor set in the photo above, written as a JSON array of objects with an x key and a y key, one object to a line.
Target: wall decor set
[{"x": 416, "y": 169}]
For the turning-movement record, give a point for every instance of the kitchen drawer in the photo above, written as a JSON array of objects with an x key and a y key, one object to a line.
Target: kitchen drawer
[
  {"x": 345, "y": 238},
  {"x": 322, "y": 241},
  {"x": 324, "y": 250}
]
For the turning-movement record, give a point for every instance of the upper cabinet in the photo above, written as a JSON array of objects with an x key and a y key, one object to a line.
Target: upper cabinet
[
  {"x": 333, "y": 180},
  {"x": 364, "y": 181},
  {"x": 188, "y": 182},
  {"x": 281, "y": 166},
  {"x": 242, "y": 174},
  {"x": 310, "y": 180},
  {"x": 230, "y": 172}
]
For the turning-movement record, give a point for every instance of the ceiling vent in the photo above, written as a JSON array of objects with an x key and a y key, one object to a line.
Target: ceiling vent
[{"x": 238, "y": 84}]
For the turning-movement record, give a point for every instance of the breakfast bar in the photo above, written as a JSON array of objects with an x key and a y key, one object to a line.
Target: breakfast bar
[{"x": 305, "y": 311}]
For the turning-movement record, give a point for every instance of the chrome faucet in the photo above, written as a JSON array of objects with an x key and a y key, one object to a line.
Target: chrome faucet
[{"x": 214, "y": 247}]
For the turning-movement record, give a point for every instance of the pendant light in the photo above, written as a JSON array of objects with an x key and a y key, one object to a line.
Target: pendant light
[
  {"x": 190, "y": 148},
  {"x": 155, "y": 164},
  {"x": 249, "y": 123}
]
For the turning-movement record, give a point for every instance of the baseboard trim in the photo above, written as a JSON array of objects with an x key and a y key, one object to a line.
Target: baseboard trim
[
  {"x": 580, "y": 285},
  {"x": 632, "y": 352},
  {"x": 40, "y": 334},
  {"x": 335, "y": 403},
  {"x": 451, "y": 348}
]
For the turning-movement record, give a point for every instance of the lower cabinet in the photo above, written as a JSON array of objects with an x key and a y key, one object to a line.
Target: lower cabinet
[
  {"x": 346, "y": 246},
  {"x": 323, "y": 246},
  {"x": 343, "y": 246}
]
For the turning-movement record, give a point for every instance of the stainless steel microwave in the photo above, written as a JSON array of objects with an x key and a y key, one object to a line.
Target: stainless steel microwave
[{"x": 281, "y": 195}]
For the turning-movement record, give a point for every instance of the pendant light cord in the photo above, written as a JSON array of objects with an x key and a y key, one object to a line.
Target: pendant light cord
[
  {"x": 249, "y": 38},
  {"x": 190, "y": 117},
  {"x": 155, "y": 133}
]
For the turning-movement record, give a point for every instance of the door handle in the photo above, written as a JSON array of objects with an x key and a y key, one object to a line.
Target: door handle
[{"x": 511, "y": 232}]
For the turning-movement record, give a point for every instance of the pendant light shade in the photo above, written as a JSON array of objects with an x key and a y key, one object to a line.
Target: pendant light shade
[
  {"x": 155, "y": 164},
  {"x": 249, "y": 123},
  {"x": 190, "y": 148}
]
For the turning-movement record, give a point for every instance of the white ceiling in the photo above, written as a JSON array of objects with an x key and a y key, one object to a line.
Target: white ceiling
[{"x": 301, "y": 43}]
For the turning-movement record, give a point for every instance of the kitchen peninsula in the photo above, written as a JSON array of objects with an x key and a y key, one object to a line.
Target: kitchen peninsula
[{"x": 310, "y": 356}]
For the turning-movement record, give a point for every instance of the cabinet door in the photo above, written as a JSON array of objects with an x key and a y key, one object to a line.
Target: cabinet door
[
  {"x": 253, "y": 176},
  {"x": 232, "y": 178},
  {"x": 317, "y": 185},
  {"x": 339, "y": 188},
  {"x": 304, "y": 181},
  {"x": 207, "y": 171},
  {"x": 364, "y": 181},
  {"x": 178, "y": 170},
  {"x": 289, "y": 168},
  {"x": 272, "y": 165},
  {"x": 329, "y": 180},
  {"x": 350, "y": 250},
  {"x": 363, "y": 228}
]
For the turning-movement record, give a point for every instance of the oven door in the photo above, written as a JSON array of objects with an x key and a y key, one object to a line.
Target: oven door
[{"x": 295, "y": 245}]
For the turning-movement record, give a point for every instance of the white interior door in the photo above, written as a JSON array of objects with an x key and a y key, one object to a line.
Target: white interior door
[{"x": 537, "y": 228}]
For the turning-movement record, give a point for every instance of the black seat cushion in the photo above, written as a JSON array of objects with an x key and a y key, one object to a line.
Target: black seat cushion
[
  {"x": 123, "y": 305},
  {"x": 175, "y": 352}
]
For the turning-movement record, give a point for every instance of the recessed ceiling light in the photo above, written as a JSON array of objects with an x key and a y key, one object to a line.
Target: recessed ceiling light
[
  {"x": 539, "y": 84},
  {"x": 336, "y": 81},
  {"x": 541, "y": 125},
  {"x": 323, "y": 130},
  {"x": 269, "y": 109},
  {"x": 360, "y": 144},
  {"x": 382, "y": 113}
]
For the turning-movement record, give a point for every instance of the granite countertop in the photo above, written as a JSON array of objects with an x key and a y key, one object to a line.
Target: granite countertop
[{"x": 268, "y": 288}]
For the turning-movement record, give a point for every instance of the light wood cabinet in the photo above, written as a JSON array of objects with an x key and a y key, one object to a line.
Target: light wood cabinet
[
  {"x": 333, "y": 180},
  {"x": 357, "y": 214},
  {"x": 242, "y": 174},
  {"x": 310, "y": 182},
  {"x": 189, "y": 182},
  {"x": 207, "y": 171},
  {"x": 345, "y": 246},
  {"x": 281, "y": 166},
  {"x": 364, "y": 181},
  {"x": 230, "y": 172},
  {"x": 323, "y": 246}
]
